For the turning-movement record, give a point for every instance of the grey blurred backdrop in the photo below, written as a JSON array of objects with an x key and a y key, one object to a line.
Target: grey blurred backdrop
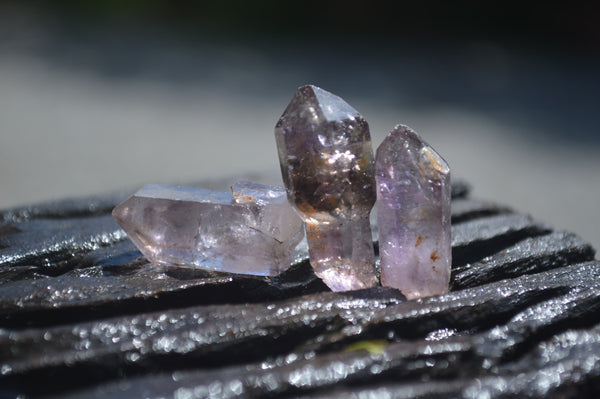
[{"x": 99, "y": 96}]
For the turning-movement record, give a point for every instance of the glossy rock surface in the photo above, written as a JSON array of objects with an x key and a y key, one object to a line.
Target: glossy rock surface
[
  {"x": 253, "y": 231},
  {"x": 327, "y": 166},
  {"x": 413, "y": 210},
  {"x": 84, "y": 315}
]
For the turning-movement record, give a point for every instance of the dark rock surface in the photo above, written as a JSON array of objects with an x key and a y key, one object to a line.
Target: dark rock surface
[{"x": 82, "y": 314}]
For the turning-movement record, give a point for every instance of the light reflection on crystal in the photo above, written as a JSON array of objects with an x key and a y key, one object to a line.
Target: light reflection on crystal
[
  {"x": 252, "y": 231},
  {"x": 413, "y": 210},
  {"x": 327, "y": 166}
]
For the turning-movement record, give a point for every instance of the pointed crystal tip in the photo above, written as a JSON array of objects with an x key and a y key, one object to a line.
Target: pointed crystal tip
[
  {"x": 327, "y": 166},
  {"x": 413, "y": 183},
  {"x": 211, "y": 230}
]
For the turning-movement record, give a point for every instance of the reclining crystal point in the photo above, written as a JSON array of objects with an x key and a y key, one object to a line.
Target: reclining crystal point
[
  {"x": 252, "y": 231},
  {"x": 327, "y": 166},
  {"x": 413, "y": 212}
]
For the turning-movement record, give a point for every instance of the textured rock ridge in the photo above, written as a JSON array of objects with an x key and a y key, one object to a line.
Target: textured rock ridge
[{"x": 83, "y": 314}]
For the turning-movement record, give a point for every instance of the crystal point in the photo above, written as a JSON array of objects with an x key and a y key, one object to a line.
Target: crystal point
[
  {"x": 327, "y": 166},
  {"x": 253, "y": 231},
  {"x": 413, "y": 211}
]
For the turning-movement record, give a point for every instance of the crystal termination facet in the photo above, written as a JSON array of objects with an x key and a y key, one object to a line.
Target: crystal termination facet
[{"x": 327, "y": 166}]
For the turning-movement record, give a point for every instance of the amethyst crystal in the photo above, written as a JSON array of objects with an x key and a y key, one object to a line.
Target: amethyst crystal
[
  {"x": 253, "y": 231},
  {"x": 327, "y": 166},
  {"x": 413, "y": 211}
]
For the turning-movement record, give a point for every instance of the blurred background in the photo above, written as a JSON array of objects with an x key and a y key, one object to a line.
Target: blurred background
[{"x": 98, "y": 96}]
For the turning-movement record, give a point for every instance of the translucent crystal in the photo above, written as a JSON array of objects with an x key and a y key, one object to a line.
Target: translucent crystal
[
  {"x": 253, "y": 231},
  {"x": 413, "y": 208},
  {"x": 328, "y": 169}
]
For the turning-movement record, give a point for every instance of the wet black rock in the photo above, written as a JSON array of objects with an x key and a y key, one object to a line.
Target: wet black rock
[{"x": 82, "y": 314}]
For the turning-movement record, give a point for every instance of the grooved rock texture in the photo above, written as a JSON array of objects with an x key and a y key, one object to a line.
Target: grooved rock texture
[{"x": 82, "y": 314}]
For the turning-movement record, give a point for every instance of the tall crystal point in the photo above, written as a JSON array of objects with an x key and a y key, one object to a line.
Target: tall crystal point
[
  {"x": 328, "y": 169},
  {"x": 413, "y": 212},
  {"x": 253, "y": 231}
]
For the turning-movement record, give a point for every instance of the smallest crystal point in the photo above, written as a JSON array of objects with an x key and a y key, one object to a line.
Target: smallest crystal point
[{"x": 413, "y": 211}]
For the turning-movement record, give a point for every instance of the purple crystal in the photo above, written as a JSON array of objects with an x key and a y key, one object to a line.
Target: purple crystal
[
  {"x": 328, "y": 169},
  {"x": 253, "y": 231},
  {"x": 413, "y": 212}
]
